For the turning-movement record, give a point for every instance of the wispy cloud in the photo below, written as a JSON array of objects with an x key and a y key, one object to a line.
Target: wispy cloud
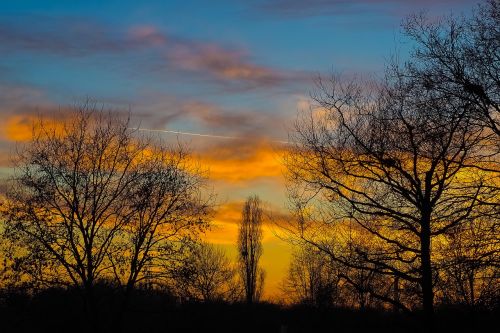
[
  {"x": 60, "y": 37},
  {"x": 156, "y": 111},
  {"x": 228, "y": 218},
  {"x": 248, "y": 152},
  {"x": 224, "y": 64},
  {"x": 209, "y": 60}
]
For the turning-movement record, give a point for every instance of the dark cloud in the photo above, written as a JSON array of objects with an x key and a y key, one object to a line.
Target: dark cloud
[
  {"x": 60, "y": 37},
  {"x": 300, "y": 8}
]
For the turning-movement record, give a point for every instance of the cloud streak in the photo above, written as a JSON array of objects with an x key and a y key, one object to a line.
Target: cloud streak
[
  {"x": 228, "y": 218},
  {"x": 222, "y": 64},
  {"x": 162, "y": 112},
  {"x": 61, "y": 37},
  {"x": 204, "y": 135}
]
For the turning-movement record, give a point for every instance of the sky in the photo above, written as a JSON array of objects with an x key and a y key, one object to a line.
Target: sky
[{"x": 231, "y": 76}]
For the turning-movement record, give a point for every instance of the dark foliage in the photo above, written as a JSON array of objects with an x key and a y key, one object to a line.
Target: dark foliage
[{"x": 59, "y": 310}]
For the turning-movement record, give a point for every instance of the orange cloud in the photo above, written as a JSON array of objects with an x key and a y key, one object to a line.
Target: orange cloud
[
  {"x": 240, "y": 162},
  {"x": 18, "y": 128},
  {"x": 154, "y": 50}
]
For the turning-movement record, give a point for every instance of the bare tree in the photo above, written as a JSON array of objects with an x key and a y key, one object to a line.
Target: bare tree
[
  {"x": 166, "y": 210},
  {"x": 208, "y": 275},
  {"x": 392, "y": 159},
  {"x": 65, "y": 205},
  {"x": 460, "y": 58},
  {"x": 250, "y": 249},
  {"x": 315, "y": 279},
  {"x": 92, "y": 200},
  {"x": 361, "y": 287},
  {"x": 469, "y": 266},
  {"x": 312, "y": 279}
]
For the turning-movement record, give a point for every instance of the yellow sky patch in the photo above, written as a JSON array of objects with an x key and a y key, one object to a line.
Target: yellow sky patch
[{"x": 276, "y": 252}]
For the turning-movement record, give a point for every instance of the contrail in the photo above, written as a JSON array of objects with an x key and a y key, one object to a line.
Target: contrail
[{"x": 201, "y": 135}]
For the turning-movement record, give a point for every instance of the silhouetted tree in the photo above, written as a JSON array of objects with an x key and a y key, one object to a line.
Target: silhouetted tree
[
  {"x": 362, "y": 288},
  {"x": 460, "y": 58},
  {"x": 411, "y": 160},
  {"x": 312, "y": 279},
  {"x": 250, "y": 249},
  {"x": 469, "y": 266},
  {"x": 315, "y": 279},
  {"x": 165, "y": 210},
  {"x": 65, "y": 205},
  {"x": 395, "y": 160},
  {"x": 93, "y": 200},
  {"x": 208, "y": 275}
]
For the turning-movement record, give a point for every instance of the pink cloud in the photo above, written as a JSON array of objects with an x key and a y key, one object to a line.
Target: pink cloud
[
  {"x": 223, "y": 63},
  {"x": 149, "y": 35}
]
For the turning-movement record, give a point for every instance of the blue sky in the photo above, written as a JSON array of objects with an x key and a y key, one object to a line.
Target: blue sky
[{"x": 281, "y": 35}]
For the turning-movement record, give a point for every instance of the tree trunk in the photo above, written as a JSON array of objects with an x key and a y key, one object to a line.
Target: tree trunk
[
  {"x": 396, "y": 294},
  {"x": 426, "y": 272},
  {"x": 119, "y": 324},
  {"x": 91, "y": 316}
]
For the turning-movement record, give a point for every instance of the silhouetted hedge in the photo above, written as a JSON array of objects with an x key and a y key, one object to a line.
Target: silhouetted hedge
[{"x": 62, "y": 310}]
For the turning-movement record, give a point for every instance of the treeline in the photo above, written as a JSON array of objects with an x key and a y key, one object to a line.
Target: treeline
[{"x": 157, "y": 310}]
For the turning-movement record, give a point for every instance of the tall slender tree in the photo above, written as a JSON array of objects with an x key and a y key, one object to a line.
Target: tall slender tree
[{"x": 250, "y": 249}]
